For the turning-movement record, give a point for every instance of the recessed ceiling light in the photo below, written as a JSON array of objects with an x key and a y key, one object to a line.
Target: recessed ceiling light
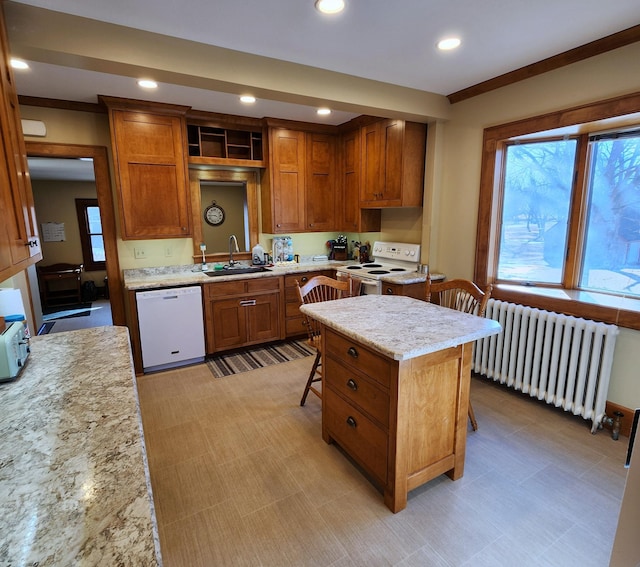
[
  {"x": 147, "y": 84},
  {"x": 323, "y": 111},
  {"x": 19, "y": 64},
  {"x": 449, "y": 43},
  {"x": 330, "y": 6},
  {"x": 248, "y": 99}
]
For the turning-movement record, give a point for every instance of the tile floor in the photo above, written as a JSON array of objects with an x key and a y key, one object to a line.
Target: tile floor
[{"x": 241, "y": 476}]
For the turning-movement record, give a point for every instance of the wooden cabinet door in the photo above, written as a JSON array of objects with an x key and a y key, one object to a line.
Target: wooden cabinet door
[
  {"x": 287, "y": 160},
  {"x": 263, "y": 318},
  {"x": 392, "y": 137},
  {"x": 371, "y": 182},
  {"x": 350, "y": 195},
  {"x": 320, "y": 195},
  {"x": 19, "y": 242},
  {"x": 150, "y": 163},
  {"x": 393, "y": 158},
  {"x": 228, "y": 323}
]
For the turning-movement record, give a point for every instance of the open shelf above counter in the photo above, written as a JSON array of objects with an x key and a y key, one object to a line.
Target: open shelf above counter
[{"x": 209, "y": 144}]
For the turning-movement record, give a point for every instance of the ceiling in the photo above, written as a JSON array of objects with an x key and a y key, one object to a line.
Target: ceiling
[{"x": 372, "y": 47}]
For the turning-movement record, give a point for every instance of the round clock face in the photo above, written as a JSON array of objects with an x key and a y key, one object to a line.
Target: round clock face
[{"x": 214, "y": 215}]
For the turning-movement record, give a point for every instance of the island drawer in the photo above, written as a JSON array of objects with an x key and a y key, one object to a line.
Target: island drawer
[
  {"x": 357, "y": 434},
  {"x": 347, "y": 351},
  {"x": 359, "y": 390}
]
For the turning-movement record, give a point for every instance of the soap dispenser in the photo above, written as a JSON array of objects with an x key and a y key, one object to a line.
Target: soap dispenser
[{"x": 258, "y": 255}]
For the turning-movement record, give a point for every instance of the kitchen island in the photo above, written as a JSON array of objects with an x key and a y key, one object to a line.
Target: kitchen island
[
  {"x": 74, "y": 487},
  {"x": 396, "y": 387}
]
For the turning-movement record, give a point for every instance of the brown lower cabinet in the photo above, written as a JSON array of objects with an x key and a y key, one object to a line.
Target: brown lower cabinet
[{"x": 242, "y": 313}]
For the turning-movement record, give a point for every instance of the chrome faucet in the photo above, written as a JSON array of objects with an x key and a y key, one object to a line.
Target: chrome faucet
[{"x": 233, "y": 241}]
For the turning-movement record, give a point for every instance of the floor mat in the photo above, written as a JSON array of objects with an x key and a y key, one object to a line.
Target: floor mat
[
  {"x": 45, "y": 329},
  {"x": 66, "y": 311},
  {"x": 257, "y": 357}
]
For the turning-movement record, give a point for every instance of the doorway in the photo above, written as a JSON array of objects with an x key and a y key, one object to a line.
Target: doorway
[{"x": 113, "y": 282}]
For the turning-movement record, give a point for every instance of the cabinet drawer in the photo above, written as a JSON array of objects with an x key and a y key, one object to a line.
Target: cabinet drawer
[
  {"x": 292, "y": 310},
  {"x": 358, "y": 435},
  {"x": 294, "y": 326},
  {"x": 291, "y": 296},
  {"x": 303, "y": 278},
  {"x": 367, "y": 395},
  {"x": 262, "y": 284},
  {"x": 352, "y": 354},
  {"x": 240, "y": 286},
  {"x": 220, "y": 289}
]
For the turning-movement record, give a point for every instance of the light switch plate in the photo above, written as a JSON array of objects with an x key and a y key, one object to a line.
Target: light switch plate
[{"x": 139, "y": 253}]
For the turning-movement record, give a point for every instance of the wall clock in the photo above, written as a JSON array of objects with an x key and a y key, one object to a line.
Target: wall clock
[{"x": 214, "y": 214}]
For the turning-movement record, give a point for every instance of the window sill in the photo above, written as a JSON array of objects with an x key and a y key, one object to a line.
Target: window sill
[{"x": 621, "y": 311}]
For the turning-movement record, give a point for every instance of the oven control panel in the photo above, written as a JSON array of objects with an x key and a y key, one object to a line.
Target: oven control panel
[{"x": 397, "y": 251}]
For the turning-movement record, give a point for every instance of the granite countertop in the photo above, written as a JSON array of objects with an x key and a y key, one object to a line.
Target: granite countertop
[
  {"x": 190, "y": 274},
  {"x": 74, "y": 486},
  {"x": 400, "y": 327}
]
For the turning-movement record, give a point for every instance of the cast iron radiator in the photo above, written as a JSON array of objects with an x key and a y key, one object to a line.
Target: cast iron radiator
[{"x": 563, "y": 360}]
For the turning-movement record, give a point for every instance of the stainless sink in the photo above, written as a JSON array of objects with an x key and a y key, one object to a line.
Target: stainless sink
[{"x": 233, "y": 271}]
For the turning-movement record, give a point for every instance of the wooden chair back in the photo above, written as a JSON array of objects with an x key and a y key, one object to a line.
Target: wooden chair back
[
  {"x": 321, "y": 288},
  {"x": 461, "y": 295}
]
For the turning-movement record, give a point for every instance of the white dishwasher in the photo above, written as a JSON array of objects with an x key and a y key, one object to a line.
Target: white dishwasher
[{"x": 171, "y": 327}]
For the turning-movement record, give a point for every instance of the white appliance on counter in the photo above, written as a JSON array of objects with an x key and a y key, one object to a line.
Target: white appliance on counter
[
  {"x": 14, "y": 350},
  {"x": 171, "y": 327},
  {"x": 389, "y": 259}
]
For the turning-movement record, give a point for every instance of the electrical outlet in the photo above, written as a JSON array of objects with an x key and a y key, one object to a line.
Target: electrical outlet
[
  {"x": 168, "y": 251},
  {"x": 139, "y": 253}
]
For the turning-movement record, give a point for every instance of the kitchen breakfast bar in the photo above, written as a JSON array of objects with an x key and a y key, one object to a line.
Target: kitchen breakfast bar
[{"x": 396, "y": 378}]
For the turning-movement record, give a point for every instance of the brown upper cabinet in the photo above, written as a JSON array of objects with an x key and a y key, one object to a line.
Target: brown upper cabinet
[
  {"x": 299, "y": 187},
  {"x": 392, "y": 167},
  {"x": 354, "y": 219},
  {"x": 149, "y": 142},
  {"x": 320, "y": 187},
  {"x": 19, "y": 241}
]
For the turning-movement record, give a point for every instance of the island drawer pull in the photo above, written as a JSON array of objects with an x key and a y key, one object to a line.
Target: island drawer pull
[
  {"x": 247, "y": 303},
  {"x": 352, "y": 384},
  {"x": 352, "y": 351},
  {"x": 352, "y": 422}
]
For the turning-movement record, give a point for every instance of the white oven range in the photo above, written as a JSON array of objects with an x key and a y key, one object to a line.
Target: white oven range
[{"x": 389, "y": 259}]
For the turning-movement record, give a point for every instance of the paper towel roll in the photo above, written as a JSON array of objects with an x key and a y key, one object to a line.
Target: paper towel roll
[{"x": 11, "y": 302}]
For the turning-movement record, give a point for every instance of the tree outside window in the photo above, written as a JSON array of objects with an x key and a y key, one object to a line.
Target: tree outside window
[
  {"x": 611, "y": 255},
  {"x": 91, "y": 237},
  {"x": 536, "y": 202},
  {"x": 537, "y": 195}
]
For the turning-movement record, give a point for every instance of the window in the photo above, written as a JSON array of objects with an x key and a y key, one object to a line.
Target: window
[
  {"x": 535, "y": 211},
  {"x": 611, "y": 252},
  {"x": 559, "y": 212},
  {"x": 91, "y": 237}
]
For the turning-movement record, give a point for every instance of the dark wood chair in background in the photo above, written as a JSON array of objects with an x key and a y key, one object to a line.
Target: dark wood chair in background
[
  {"x": 462, "y": 295},
  {"x": 60, "y": 284},
  {"x": 319, "y": 288}
]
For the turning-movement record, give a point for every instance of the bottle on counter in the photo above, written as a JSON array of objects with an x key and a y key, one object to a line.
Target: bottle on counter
[{"x": 258, "y": 255}]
